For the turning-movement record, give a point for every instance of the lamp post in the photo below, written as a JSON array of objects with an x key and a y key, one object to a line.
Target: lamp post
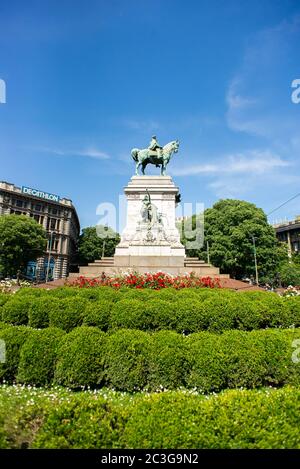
[
  {"x": 49, "y": 253},
  {"x": 104, "y": 241},
  {"x": 255, "y": 259}
]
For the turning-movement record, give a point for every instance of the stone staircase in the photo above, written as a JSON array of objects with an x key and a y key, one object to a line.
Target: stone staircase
[
  {"x": 191, "y": 264},
  {"x": 104, "y": 262}
]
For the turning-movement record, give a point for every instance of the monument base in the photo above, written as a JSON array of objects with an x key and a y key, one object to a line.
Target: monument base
[
  {"x": 145, "y": 264},
  {"x": 150, "y": 241}
]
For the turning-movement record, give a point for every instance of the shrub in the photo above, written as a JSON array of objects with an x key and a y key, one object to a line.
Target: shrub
[
  {"x": 40, "y": 309},
  {"x": 99, "y": 294},
  {"x": 244, "y": 360},
  {"x": 97, "y": 314},
  {"x": 220, "y": 311},
  {"x": 64, "y": 292},
  {"x": 139, "y": 294},
  {"x": 109, "y": 294},
  {"x": 81, "y": 358},
  {"x": 292, "y": 305},
  {"x": 70, "y": 315},
  {"x": 84, "y": 421},
  {"x": 274, "y": 312},
  {"x": 161, "y": 314},
  {"x": 189, "y": 314},
  {"x": 14, "y": 337},
  {"x": 4, "y": 297},
  {"x": 167, "y": 294},
  {"x": 30, "y": 291},
  {"x": 246, "y": 314},
  {"x": 276, "y": 348},
  {"x": 129, "y": 314},
  {"x": 4, "y": 325},
  {"x": 38, "y": 356},
  {"x": 234, "y": 419},
  {"x": 168, "y": 361},
  {"x": 15, "y": 310},
  {"x": 208, "y": 358},
  {"x": 170, "y": 420},
  {"x": 127, "y": 359}
]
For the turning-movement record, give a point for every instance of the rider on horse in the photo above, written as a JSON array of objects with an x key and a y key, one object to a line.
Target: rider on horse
[{"x": 154, "y": 145}]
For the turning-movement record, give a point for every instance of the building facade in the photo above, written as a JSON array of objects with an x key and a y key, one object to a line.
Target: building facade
[
  {"x": 59, "y": 218},
  {"x": 289, "y": 232}
]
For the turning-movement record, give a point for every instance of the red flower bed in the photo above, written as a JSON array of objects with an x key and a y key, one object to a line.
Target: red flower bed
[{"x": 155, "y": 281}]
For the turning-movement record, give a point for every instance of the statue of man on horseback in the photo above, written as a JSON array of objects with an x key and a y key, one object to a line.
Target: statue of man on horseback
[{"x": 154, "y": 154}]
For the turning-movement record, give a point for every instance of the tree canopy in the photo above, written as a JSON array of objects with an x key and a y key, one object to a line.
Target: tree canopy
[
  {"x": 22, "y": 239},
  {"x": 91, "y": 242},
  {"x": 229, "y": 228}
]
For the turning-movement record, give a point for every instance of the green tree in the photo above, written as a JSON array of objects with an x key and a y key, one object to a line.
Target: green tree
[
  {"x": 22, "y": 239},
  {"x": 229, "y": 228},
  {"x": 289, "y": 274},
  {"x": 91, "y": 243}
]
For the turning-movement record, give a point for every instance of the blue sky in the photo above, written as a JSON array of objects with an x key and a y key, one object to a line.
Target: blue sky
[{"x": 87, "y": 81}]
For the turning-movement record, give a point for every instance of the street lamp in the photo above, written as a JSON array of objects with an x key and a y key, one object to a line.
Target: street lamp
[
  {"x": 49, "y": 253},
  {"x": 104, "y": 241},
  {"x": 255, "y": 259}
]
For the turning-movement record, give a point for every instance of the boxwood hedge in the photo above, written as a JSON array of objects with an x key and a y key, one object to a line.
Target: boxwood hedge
[
  {"x": 14, "y": 338},
  {"x": 38, "y": 357},
  {"x": 191, "y": 309},
  {"x": 171, "y": 420},
  {"x": 80, "y": 358}
]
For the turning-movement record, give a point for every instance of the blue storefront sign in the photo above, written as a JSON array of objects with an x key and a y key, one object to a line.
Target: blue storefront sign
[{"x": 40, "y": 194}]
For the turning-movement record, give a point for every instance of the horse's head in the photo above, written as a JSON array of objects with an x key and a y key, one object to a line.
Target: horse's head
[{"x": 172, "y": 147}]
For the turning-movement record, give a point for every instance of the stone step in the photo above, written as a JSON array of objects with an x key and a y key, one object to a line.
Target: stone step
[
  {"x": 195, "y": 261},
  {"x": 197, "y": 264},
  {"x": 101, "y": 263}
]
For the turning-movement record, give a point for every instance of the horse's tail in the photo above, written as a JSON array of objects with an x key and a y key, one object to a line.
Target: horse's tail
[{"x": 134, "y": 154}]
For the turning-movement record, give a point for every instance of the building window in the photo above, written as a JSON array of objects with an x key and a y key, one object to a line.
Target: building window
[
  {"x": 55, "y": 245},
  {"x": 52, "y": 223},
  {"x": 38, "y": 207},
  {"x": 20, "y": 203}
]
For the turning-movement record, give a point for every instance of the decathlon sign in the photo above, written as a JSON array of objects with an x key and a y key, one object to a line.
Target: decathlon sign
[{"x": 40, "y": 194}]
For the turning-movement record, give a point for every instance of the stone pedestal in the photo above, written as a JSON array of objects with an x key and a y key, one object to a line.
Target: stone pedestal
[{"x": 150, "y": 245}]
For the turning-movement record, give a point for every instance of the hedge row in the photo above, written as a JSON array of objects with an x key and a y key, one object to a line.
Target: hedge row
[
  {"x": 170, "y": 420},
  {"x": 193, "y": 310},
  {"x": 131, "y": 360}
]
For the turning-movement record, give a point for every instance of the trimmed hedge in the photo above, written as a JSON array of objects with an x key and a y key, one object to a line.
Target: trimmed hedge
[
  {"x": 80, "y": 359},
  {"x": 15, "y": 310},
  {"x": 168, "y": 361},
  {"x": 4, "y": 297},
  {"x": 127, "y": 359},
  {"x": 234, "y": 419},
  {"x": 29, "y": 291},
  {"x": 70, "y": 314},
  {"x": 191, "y": 309},
  {"x": 170, "y": 420},
  {"x": 130, "y": 360},
  {"x": 38, "y": 357},
  {"x": 14, "y": 337},
  {"x": 97, "y": 313},
  {"x": 39, "y": 311}
]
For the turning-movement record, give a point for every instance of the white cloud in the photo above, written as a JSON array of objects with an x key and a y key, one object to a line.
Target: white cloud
[
  {"x": 256, "y": 162},
  {"x": 89, "y": 152}
]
